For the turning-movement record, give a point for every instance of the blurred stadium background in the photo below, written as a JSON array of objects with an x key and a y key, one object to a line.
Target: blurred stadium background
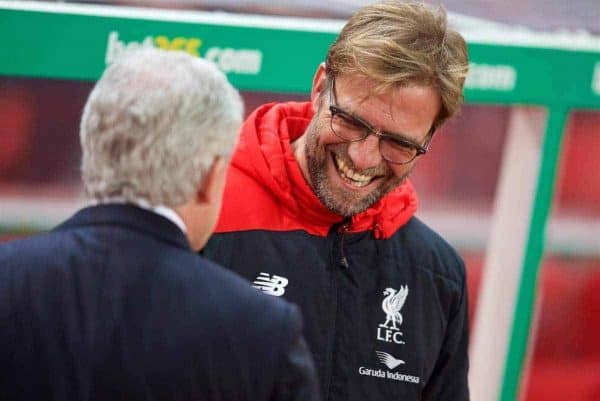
[{"x": 457, "y": 182}]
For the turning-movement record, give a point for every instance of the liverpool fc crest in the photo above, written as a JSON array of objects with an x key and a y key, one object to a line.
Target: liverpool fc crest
[{"x": 389, "y": 330}]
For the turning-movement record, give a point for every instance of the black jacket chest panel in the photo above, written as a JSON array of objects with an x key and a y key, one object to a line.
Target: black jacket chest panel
[{"x": 341, "y": 283}]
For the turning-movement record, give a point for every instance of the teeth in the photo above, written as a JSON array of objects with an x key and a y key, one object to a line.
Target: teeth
[{"x": 360, "y": 180}]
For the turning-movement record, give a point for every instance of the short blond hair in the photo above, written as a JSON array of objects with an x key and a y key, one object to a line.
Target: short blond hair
[{"x": 396, "y": 43}]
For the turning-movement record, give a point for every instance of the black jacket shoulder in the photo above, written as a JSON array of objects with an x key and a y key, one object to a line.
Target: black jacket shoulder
[{"x": 419, "y": 245}]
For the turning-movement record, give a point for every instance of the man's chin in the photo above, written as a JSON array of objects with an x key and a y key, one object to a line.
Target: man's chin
[{"x": 347, "y": 207}]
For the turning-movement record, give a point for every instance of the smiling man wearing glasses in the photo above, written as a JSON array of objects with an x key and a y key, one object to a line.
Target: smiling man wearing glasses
[
  {"x": 318, "y": 209},
  {"x": 370, "y": 161}
]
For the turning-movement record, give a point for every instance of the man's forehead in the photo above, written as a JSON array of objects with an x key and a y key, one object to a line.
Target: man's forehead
[
  {"x": 362, "y": 87},
  {"x": 359, "y": 87},
  {"x": 359, "y": 94}
]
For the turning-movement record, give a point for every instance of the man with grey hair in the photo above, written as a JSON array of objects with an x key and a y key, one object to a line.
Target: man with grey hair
[{"x": 114, "y": 303}]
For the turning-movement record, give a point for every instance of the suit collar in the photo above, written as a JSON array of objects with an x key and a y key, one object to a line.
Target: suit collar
[
  {"x": 144, "y": 204},
  {"x": 131, "y": 216}
]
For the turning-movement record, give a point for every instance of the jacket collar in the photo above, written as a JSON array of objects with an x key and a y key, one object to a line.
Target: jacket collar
[
  {"x": 130, "y": 216},
  {"x": 265, "y": 153}
]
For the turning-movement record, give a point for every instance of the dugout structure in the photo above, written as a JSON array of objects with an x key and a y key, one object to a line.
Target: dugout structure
[{"x": 541, "y": 76}]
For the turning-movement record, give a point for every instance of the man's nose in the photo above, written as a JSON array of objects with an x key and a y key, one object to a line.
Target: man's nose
[{"x": 365, "y": 153}]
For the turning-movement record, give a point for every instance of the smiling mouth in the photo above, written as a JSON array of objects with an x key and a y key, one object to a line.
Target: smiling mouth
[{"x": 350, "y": 176}]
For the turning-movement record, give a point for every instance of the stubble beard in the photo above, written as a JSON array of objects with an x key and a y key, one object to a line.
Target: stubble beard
[{"x": 341, "y": 201}]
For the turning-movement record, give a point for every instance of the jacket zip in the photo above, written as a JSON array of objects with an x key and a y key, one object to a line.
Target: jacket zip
[{"x": 343, "y": 230}]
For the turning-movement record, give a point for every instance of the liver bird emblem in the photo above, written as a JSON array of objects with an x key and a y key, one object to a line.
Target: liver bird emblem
[
  {"x": 388, "y": 360},
  {"x": 392, "y": 304}
]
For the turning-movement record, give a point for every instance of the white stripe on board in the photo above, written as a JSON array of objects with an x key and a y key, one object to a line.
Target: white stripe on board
[{"x": 502, "y": 269}]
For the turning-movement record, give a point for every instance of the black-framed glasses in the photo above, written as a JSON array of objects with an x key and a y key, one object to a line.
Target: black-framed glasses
[{"x": 392, "y": 147}]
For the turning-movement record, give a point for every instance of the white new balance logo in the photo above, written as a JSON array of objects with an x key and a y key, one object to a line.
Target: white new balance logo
[{"x": 271, "y": 285}]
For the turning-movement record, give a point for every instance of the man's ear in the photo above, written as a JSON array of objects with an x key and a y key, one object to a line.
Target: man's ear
[
  {"x": 211, "y": 188},
  {"x": 318, "y": 86}
]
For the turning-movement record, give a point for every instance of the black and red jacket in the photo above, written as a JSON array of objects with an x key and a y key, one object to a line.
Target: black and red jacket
[{"x": 383, "y": 296}]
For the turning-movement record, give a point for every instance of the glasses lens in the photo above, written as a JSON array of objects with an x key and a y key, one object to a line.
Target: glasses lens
[
  {"x": 350, "y": 129},
  {"x": 347, "y": 128},
  {"x": 396, "y": 151}
]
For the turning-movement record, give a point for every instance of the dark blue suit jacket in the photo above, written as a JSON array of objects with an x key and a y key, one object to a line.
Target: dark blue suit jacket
[{"x": 114, "y": 305}]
